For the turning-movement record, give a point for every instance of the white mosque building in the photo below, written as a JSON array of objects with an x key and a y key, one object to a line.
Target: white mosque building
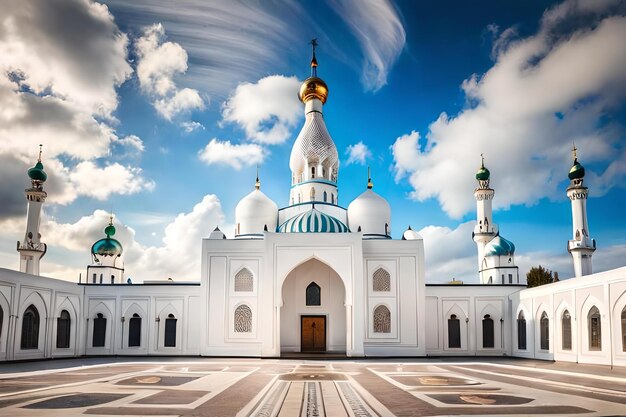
[{"x": 316, "y": 277}]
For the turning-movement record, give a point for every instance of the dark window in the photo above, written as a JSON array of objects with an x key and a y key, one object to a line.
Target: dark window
[
  {"x": 325, "y": 196},
  {"x": 170, "y": 331},
  {"x": 544, "y": 331},
  {"x": 30, "y": 328},
  {"x": 134, "y": 331},
  {"x": 454, "y": 332},
  {"x": 595, "y": 329},
  {"x": 64, "y": 323},
  {"x": 94, "y": 278},
  {"x": 1, "y": 320},
  {"x": 566, "y": 331},
  {"x": 624, "y": 330},
  {"x": 313, "y": 295},
  {"x": 488, "y": 332},
  {"x": 521, "y": 331},
  {"x": 99, "y": 330},
  {"x": 112, "y": 279}
]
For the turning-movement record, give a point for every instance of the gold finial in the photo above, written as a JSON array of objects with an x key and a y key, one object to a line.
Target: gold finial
[
  {"x": 40, "y": 151},
  {"x": 111, "y": 218},
  {"x": 369, "y": 179},
  {"x": 313, "y": 44},
  {"x": 482, "y": 159},
  {"x": 574, "y": 149},
  {"x": 257, "y": 184}
]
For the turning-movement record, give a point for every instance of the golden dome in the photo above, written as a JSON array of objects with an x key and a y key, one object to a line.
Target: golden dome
[{"x": 313, "y": 87}]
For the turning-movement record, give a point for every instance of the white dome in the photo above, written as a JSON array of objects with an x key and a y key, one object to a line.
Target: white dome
[
  {"x": 410, "y": 234},
  {"x": 253, "y": 213},
  {"x": 314, "y": 144},
  {"x": 372, "y": 214}
]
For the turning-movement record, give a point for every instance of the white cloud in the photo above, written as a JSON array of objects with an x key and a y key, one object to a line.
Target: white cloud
[
  {"x": 237, "y": 156},
  {"x": 131, "y": 145},
  {"x": 381, "y": 35},
  {"x": 268, "y": 110},
  {"x": 157, "y": 64},
  {"x": 111, "y": 179},
  {"x": 178, "y": 257},
  {"x": 358, "y": 153},
  {"x": 192, "y": 126},
  {"x": 543, "y": 93}
]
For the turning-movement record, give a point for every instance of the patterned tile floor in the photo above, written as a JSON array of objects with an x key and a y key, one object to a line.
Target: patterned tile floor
[{"x": 333, "y": 388}]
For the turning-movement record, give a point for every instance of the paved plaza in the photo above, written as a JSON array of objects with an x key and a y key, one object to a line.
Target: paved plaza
[{"x": 298, "y": 387}]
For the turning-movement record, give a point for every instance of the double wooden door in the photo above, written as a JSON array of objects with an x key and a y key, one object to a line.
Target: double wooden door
[{"x": 313, "y": 334}]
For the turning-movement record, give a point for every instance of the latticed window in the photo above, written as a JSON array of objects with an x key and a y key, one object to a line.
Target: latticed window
[
  {"x": 244, "y": 281},
  {"x": 382, "y": 320},
  {"x": 64, "y": 322},
  {"x": 595, "y": 329},
  {"x": 313, "y": 295},
  {"x": 521, "y": 331},
  {"x": 544, "y": 331},
  {"x": 566, "y": 331},
  {"x": 30, "y": 328},
  {"x": 381, "y": 280},
  {"x": 243, "y": 319}
]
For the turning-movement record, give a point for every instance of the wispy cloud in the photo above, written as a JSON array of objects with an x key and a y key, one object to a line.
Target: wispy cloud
[
  {"x": 358, "y": 153},
  {"x": 234, "y": 155},
  {"x": 543, "y": 92},
  {"x": 377, "y": 26}
]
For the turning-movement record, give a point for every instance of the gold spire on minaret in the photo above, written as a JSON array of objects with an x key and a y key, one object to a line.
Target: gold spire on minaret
[
  {"x": 369, "y": 179},
  {"x": 574, "y": 149},
  {"x": 40, "y": 151},
  {"x": 313, "y": 87},
  {"x": 257, "y": 184}
]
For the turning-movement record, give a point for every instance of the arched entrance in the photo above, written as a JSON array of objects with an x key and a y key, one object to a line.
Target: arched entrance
[{"x": 313, "y": 314}]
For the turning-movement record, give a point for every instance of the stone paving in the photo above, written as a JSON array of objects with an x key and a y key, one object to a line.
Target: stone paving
[{"x": 293, "y": 387}]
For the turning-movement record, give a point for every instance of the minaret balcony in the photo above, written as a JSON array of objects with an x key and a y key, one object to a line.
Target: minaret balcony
[{"x": 585, "y": 243}]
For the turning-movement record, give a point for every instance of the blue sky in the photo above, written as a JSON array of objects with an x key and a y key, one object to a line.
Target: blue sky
[{"x": 162, "y": 114}]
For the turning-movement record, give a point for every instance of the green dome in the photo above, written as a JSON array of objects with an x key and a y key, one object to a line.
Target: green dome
[
  {"x": 482, "y": 174},
  {"x": 37, "y": 173},
  {"x": 499, "y": 246},
  {"x": 109, "y": 230},
  {"x": 577, "y": 172},
  {"x": 107, "y": 247}
]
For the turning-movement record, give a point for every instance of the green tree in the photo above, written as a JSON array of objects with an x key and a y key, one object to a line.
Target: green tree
[{"x": 538, "y": 275}]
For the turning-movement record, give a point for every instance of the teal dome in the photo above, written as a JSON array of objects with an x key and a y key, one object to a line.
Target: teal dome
[
  {"x": 499, "y": 246},
  {"x": 107, "y": 247},
  {"x": 482, "y": 174},
  {"x": 109, "y": 230},
  {"x": 37, "y": 173},
  {"x": 577, "y": 171},
  {"x": 313, "y": 221}
]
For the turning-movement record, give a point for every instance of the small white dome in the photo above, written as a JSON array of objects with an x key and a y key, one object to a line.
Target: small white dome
[
  {"x": 254, "y": 213},
  {"x": 372, "y": 214},
  {"x": 410, "y": 234}
]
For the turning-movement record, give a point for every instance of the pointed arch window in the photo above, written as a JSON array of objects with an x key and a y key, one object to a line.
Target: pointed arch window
[
  {"x": 454, "y": 332},
  {"x": 521, "y": 331},
  {"x": 134, "y": 331},
  {"x": 382, "y": 320},
  {"x": 64, "y": 324},
  {"x": 312, "y": 193},
  {"x": 313, "y": 295},
  {"x": 594, "y": 323},
  {"x": 30, "y": 328},
  {"x": 243, "y": 319},
  {"x": 99, "y": 330},
  {"x": 170, "y": 331},
  {"x": 325, "y": 196},
  {"x": 312, "y": 172},
  {"x": 566, "y": 331},
  {"x": 381, "y": 280},
  {"x": 1, "y": 320},
  {"x": 244, "y": 281},
  {"x": 544, "y": 331},
  {"x": 488, "y": 337},
  {"x": 623, "y": 317},
  {"x": 332, "y": 198}
]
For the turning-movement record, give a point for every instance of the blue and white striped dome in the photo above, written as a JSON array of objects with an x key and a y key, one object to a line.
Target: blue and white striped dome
[
  {"x": 499, "y": 246},
  {"x": 313, "y": 221}
]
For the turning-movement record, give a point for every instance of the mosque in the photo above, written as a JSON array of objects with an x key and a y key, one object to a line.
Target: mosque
[{"x": 316, "y": 277}]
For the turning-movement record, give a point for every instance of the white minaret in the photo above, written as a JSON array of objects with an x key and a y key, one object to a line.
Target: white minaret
[
  {"x": 314, "y": 161},
  {"x": 581, "y": 246},
  {"x": 31, "y": 249},
  {"x": 485, "y": 229}
]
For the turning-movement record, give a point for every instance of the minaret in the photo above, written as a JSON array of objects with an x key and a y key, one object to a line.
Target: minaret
[
  {"x": 314, "y": 160},
  {"x": 485, "y": 229},
  {"x": 581, "y": 246},
  {"x": 31, "y": 249},
  {"x": 106, "y": 266}
]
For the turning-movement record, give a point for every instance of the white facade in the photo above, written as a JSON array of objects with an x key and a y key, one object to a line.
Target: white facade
[{"x": 315, "y": 277}]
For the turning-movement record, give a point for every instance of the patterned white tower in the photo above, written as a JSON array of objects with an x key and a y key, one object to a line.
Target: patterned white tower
[
  {"x": 581, "y": 246},
  {"x": 32, "y": 249},
  {"x": 485, "y": 229},
  {"x": 314, "y": 161}
]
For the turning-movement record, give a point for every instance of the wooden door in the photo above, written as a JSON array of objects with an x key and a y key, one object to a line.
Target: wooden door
[{"x": 313, "y": 334}]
